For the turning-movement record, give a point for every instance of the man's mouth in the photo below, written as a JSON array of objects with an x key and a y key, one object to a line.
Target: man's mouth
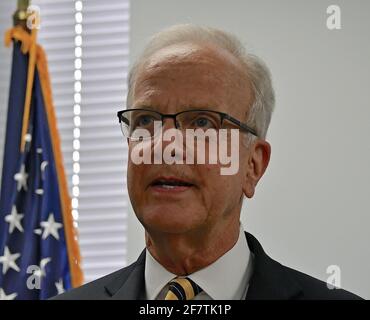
[{"x": 171, "y": 184}]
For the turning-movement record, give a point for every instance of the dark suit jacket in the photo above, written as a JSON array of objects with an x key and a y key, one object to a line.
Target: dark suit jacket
[{"x": 270, "y": 280}]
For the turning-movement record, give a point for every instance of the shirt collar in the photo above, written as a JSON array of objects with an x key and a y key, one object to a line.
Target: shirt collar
[
  {"x": 234, "y": 262},
  {"x": 156, "y": 276}
]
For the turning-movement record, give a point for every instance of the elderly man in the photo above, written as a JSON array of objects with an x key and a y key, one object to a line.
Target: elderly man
[{"x": 192, "y": 77}]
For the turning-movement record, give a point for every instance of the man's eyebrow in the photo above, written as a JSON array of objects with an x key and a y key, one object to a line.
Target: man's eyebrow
[
  {"x": 182, "y": 108},
  {"x": 144, "y": 106},
  {"x": 207, "y": 107}
]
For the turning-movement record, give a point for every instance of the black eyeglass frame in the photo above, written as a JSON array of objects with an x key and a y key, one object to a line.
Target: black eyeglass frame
[{"x": 173, "y": 116}]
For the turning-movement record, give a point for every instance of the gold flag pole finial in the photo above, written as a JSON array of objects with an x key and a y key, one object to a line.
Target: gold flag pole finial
[{"x": 20, "y": 15}]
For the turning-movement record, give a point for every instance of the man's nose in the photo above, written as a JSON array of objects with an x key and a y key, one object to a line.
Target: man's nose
[{"x": 169, "y": 123}]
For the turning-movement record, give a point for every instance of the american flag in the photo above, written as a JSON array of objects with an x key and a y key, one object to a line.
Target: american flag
[{"x": 39, "y": 256}]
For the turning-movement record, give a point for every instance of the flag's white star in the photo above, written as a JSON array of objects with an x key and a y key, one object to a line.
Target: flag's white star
[
  {"x": 40, "y": 192},
  {"x": 4, "y": 296},
  {"x": 14, "y": 220},
  {"x": 28, "y": 137},
  {"x": 8, "y": 260},
  {"x": 59, "y": 286},
  {"x": 40, "y": 272},
  {"x": 50, "y": 227},
  {"x": 37, "y": 231},
  {"x": 43, "y": 166},
  {"x": 21, "y": 178}
]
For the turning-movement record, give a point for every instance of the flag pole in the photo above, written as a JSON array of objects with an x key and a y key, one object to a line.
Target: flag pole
[
  {"x": 30, "y": 78},
  {"x": 20, "y": 17}
]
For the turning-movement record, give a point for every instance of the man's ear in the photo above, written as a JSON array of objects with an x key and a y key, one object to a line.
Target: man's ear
[{"x": 258, "y": 160}]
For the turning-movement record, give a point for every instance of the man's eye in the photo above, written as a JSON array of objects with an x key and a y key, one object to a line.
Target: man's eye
[
  {"x": 144, "y": 121},
  {"x": 203, "y": 122}
]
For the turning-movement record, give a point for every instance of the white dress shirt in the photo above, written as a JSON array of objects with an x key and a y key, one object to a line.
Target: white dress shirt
[{"x": 225, "y": 279}]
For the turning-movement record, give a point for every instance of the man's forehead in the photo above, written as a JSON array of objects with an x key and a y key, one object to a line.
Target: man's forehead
[
  {"x": 208, "y": 75},
  {"x": 191, "y": 54}
]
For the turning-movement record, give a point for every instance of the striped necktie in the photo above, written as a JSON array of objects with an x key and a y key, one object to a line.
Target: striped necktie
[{"x": 182, "y": 289}]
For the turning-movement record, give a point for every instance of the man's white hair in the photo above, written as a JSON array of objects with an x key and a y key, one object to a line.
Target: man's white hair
[{"x": 259, "y": 115}]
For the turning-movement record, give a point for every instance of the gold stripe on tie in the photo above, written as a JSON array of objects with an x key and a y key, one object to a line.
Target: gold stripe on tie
[
  {"x": 182, "y": 289},
  {"x": 186, "y": 285},
  {"x": 170, "y": 296}
]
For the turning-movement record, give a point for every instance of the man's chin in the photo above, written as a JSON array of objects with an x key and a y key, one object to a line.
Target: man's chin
[{"x": 169, "y": 219}]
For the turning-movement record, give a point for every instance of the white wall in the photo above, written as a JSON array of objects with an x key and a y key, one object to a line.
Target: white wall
[{"x": 312, "y": 208}]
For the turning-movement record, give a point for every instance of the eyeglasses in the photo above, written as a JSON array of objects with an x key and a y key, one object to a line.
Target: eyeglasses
[{"x": 133, "y": 119}]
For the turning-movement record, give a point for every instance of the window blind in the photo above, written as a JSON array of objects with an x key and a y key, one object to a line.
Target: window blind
[
  {"x": 87, "y": 45},
  {"x": 6, "y": 10}
]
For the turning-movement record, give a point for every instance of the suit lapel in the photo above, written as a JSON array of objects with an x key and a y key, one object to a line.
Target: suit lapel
[
  {"x": 130, "y": 284},
  {"x": 270, "y": 280}
]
